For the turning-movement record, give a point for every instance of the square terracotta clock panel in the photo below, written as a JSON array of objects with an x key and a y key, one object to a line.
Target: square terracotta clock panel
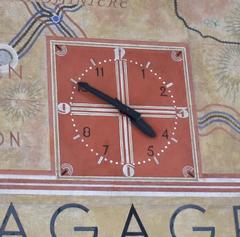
[{"x": 144, "y": 129}]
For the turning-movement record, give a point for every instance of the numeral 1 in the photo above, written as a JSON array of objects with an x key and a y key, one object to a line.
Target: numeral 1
[
  {"x": 143, "y": 73},
  {"x": 100, "y": 72}
]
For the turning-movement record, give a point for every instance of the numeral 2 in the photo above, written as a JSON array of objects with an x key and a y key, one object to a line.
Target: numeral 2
[{"x": 163, "y": 91}]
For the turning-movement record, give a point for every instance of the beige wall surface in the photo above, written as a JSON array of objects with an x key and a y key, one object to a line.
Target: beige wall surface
[{"x": 120, "y": 216}]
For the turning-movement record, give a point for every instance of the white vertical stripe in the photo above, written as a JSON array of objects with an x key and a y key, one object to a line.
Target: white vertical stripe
[
  {"x": 121, "y": 139},
  {"x": 126, "y": 142},
  {"x": 121, "y": 82},
  {"x": 130, "y": 141},
  {"x": 191, "y": 119},
  {"x": 125, "y": 79}
]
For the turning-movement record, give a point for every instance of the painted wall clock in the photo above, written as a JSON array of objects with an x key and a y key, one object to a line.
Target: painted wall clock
[{"x": 95, "y": 139}]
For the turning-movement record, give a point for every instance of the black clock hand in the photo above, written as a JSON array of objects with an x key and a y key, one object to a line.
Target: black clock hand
[
  {"x": 113, "y": 101},
  {"x": 135, "y": 116}
]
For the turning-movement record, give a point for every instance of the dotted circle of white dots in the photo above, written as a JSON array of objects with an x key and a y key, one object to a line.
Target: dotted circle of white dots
[{"x": 149, "y": 159}]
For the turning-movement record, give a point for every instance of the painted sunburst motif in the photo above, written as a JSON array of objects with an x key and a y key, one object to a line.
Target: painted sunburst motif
[
  {"x": 22, "y": 100},
  {"x": 225, "y": 66},
  {"x": 232, "y": 22}
]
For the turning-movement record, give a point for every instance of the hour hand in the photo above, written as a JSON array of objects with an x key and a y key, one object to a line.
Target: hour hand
[{"x": 131, "y": 113}]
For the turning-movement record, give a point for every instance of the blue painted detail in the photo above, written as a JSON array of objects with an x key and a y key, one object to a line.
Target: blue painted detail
[
  {"x": 56, "y": 19},
  {"x": 218, "y": 121},
  {"x": 219, "y": 113}
]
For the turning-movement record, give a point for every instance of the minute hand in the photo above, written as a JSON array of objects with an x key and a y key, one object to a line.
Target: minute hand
[{"x": 131, "y": 113}]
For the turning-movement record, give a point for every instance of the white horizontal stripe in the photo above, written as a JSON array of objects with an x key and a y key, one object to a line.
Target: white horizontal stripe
[
  {"x": 124, "y": 45},
  {"x": 115, "y": 110},
  {"x": 220, "y": 180},
  {"x": 155, "y": 107},
  {"x": 34, "y": 177},
  {"x": 95, "y": 114},
  {"x": 90, "y": 105},
  {"x": 119, "y": 179},
  {"x": 157, "y": 111},
  {"x": 141, "y": 107},
  {"x": 121, "y": 186},
  {"x": 94, "y": 109},
  {"x": 120, "y": 194},
  {"x": 158, "y": 116}
]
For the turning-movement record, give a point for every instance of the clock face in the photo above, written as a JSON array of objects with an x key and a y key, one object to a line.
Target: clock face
[{"x": 93, "y": 139}]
